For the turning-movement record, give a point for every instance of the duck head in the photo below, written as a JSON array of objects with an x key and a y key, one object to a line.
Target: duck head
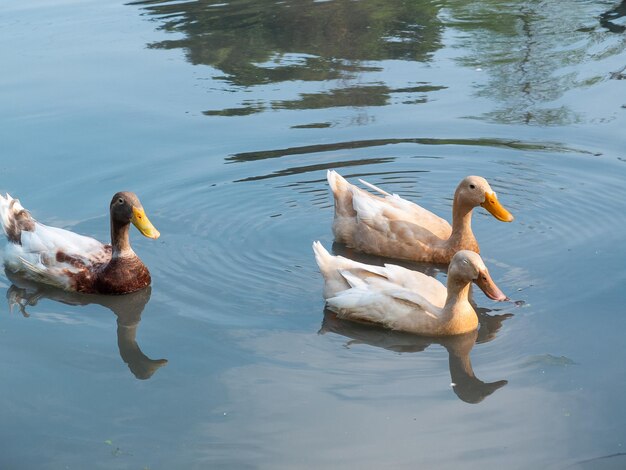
[
  {"x": 126, "y": 208},
  {"x": 467, "y": 266},
  {"x": 474, "y": 191}
]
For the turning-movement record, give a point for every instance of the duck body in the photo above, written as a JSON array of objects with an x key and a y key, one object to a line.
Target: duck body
[
  {"x": 388, "y": 225},
  {"x": 74, "y": 262},
  {"x": 403, "y": 300}
]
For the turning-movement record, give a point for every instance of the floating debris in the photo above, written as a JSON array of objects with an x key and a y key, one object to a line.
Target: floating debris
[{"x": 548, "y": 360}]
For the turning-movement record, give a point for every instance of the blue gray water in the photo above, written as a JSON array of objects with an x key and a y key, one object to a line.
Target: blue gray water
[{"x": 223, "y": 118}]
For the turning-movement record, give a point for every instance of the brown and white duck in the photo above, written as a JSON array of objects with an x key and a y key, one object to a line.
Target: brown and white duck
[
  {"x": 73, "y": 262},
  {"x": 390, "y": 226}
]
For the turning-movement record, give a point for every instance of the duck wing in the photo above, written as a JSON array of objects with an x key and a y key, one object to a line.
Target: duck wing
[
  {"x": 334, "y": 269},
  {"x": 396, "y": 218},
  {"x": 46, "y": 254},
  {"x": 428, "y": 287},
  {"x": 342, "y": 273},
  {"x": 414, "y": 211},
  {"x": 384, "y": 303}
]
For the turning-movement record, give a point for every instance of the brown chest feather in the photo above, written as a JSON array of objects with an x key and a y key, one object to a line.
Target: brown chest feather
[
  {"x": 122, "y": 275},
  {"x": 118, "y": 276}
]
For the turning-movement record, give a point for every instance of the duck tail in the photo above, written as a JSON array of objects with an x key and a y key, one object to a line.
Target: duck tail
[
  {"x": 323, "y": 258},
  {"x": 336, "y": 182},
  {"x": 342, "y": 192},
  {"x": 329, "y": 266},
  {"x": 14, "y": 219},
  {"x": 374, "y": 188}
]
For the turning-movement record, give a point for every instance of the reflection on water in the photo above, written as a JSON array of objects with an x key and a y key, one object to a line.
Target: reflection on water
[
  {"x": 527, "y": 49},
  {"x": 339, "y": 42},
  {"x": 615, "y": 461},
  {"x": 465, "y": 384},
  {"x": 127, "y": 308},
  {"x": 495, "y": 143},
  {"x": 338, "y": 146},
  {"x": 608, "y": 18}
]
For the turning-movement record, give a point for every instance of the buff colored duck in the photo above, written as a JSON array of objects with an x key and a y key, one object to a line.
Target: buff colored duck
[
  {"x": 403, "y": 300},
  {"x": 73, "y": 262},
  {"x": 390, "y": 226}
]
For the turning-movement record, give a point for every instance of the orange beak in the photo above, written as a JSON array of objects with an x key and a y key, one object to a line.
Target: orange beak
[{"x": 495, "y": 208}]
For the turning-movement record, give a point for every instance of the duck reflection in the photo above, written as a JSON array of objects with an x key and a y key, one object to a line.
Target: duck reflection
[
  {"x": 465, "y": 384},
  {"x": 127, "y": 308},
  {"x": 608, "y": 18}
]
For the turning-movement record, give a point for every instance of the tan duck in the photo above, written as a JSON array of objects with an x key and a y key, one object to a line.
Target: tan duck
[
  {"x": 404, "y": 300},
  {"x": 74, "y": 262},
  {"x": 390, "y": 226}
]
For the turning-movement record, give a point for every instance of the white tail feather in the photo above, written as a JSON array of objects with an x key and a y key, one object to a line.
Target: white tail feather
[
  {"x": 354, "y": 298},
  {"x": 353, "y": 280},
  {"x": 369, "y": 210},
  {"x": 328, "y": 262},
  {"x": 374, "y": 188},
  {"x": 337, "y": 182},
  {"x": 323, "y": 258},
  {"x": 8, "y": 211}
]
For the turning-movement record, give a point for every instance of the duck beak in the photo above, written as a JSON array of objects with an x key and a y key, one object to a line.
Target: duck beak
[
  {"x": 495, "y": 208},
  {"x": 143, "y": 224},
  {"x": 489, "y": 287}
]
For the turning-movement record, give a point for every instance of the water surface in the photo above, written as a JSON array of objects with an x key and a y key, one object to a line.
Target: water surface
[{"x": 224, "y": 117}]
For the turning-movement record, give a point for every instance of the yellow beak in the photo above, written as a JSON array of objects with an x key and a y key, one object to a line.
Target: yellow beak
[
  {"x": 495, "y": 208},
  {"x": 143, "y": 224}
]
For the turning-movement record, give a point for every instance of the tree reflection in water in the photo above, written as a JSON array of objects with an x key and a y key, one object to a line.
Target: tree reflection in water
[
  {"x": 256, "y": 43},
  {"x": 526, "y": 49},
  {"x": 533, "y": 53}
]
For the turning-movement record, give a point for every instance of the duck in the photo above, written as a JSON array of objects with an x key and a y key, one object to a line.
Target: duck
[
  {"x": 73, "y": 262},
  {"x": 387, "y": 225},
  {"x": 404, "y": 300}
]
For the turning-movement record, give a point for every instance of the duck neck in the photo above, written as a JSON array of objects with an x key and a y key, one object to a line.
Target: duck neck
[
  {"x": 462, "y": 236},
  {"x": 119, "y": 239},
  {"x": 457, "y": 302}
]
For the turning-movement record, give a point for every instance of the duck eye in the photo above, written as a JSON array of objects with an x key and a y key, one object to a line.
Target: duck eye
[
  {"x": 472, "y": 186},
  {"x": 120, "y": 201}
]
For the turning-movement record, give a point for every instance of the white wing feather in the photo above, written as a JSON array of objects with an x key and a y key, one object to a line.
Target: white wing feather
[
  {"x": 374, "y": 188},
  {"x": 378, "y": 212},
  {"x": 393, "y": 296},
  {"x": 35, "y": 253}
]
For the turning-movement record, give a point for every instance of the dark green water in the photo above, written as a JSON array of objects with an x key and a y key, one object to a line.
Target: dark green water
[{"x": 223, "y": 118}]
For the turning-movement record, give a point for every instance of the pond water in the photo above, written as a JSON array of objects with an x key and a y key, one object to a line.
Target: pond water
[{"x": 224, "y": 117}]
